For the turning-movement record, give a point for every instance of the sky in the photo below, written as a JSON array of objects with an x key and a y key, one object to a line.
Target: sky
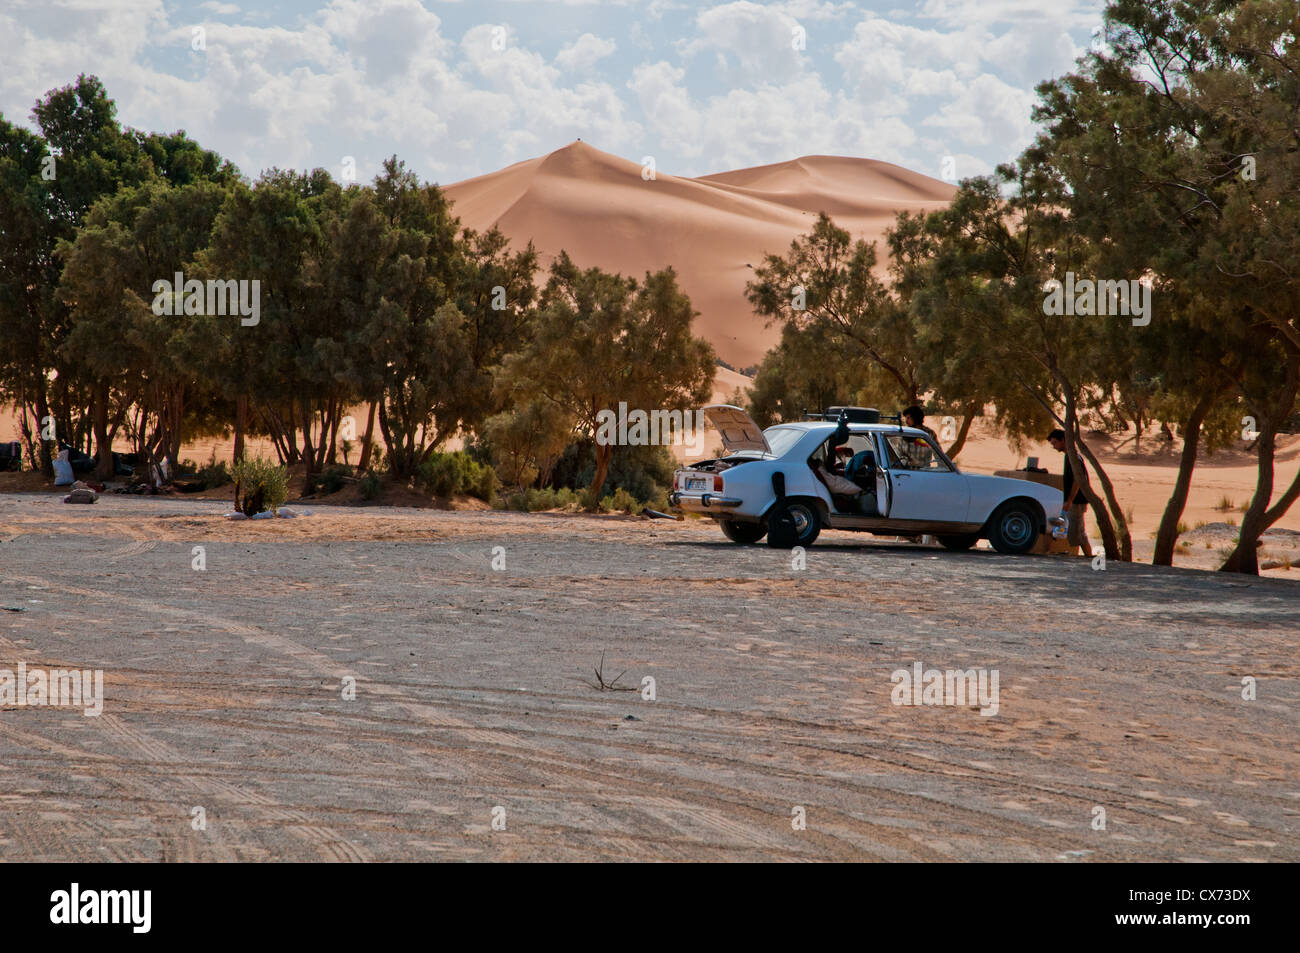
[{"x": 943, "y": 87}]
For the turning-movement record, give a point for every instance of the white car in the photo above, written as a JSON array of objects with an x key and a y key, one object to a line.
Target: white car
[{"x": 775, "y": 482}]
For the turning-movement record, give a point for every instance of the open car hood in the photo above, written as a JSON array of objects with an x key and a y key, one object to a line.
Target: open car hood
[{"x": 738, "y": 430}]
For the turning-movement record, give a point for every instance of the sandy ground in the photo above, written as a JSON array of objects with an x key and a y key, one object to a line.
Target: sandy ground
[{"x": 1119, "y": 690}]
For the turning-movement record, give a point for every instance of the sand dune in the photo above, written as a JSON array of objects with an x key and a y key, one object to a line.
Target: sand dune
[{"x": 711, "y": 229}]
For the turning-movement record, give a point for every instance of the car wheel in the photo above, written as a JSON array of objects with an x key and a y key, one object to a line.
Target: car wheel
[
  {"x": 793, "y": 523},
  {"x": 741, "y": 532},
  {"x": 1014, "y": 529},
  {"x": 958, "y": 543}
]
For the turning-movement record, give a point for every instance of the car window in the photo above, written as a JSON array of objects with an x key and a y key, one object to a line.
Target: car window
[
  {"x": 781, "y": 439},
  {"x": 849, "y": 448},
  {"x": 914, "y": 453}
]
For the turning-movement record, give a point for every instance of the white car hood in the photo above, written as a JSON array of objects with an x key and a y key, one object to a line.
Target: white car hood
[{"x": 737, "y": 428}]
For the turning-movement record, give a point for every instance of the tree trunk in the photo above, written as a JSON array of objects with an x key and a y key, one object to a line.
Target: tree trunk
[
  {"x": 241, "y": 423},
  {"x": 1075, "y": 463},
  {"x": 308, "y": 449},
  {"x": 968, "y": 417},
  {"x": 333, "y": 457},
  {"x": 103, "y": 444},
  {"x": 368, "y": 440},
  {"x": 1121, "y": 537},
  {"x": 43, "y": 417},
  {"x": 1245, "y": 557},
  {"x": 1167, "y": 535},
  {"x": 604, "y": 452}
]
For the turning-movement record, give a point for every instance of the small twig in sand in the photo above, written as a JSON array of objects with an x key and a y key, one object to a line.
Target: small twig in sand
[{"x": 612, "y": 685}]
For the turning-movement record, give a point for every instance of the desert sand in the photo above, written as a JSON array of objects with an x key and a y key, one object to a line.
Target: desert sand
[
  {"x": 476, "y": 690},
  {"x": 712, "y": 229}
]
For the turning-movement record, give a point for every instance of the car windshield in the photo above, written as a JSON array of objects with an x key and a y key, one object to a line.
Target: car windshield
[{"x": 781, "y": 439}]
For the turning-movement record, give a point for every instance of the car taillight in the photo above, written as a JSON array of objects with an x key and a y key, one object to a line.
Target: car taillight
[{"x": 717, "y": 483}]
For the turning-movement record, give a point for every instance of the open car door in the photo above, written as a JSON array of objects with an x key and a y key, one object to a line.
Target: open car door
[
  {"x": 884, "y": 490},
  {"x": 737, "y": 428}
]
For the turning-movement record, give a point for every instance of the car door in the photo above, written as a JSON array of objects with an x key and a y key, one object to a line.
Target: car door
[{"x": 925, "y": 486}]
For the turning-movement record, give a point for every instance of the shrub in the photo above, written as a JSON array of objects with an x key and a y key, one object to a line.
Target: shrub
[
  {"x": 213, "y": 474},
  {"x": 330, "y": 480},
  {"x": 622, "y": 500},
  {"x": 1225, "y": 503},
  {"x": 485, "y": 486},
  {"x": 533, "y": 501},
  {"x": 449, "y": 474},
  {"x": 370, "y": 485},
  {"x": 259, "y": 485}
]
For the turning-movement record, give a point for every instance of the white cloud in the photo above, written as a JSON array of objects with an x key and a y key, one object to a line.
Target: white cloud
[
  {"x": 701, "y": 89},
  {"x": 754, "y": 43},
  {"x": 584, "y": 52}
]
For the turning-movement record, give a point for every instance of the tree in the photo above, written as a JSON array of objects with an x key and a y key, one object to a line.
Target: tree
[
  {"x": 980, "y": 269},
  {"x": 526, "y": 441},
  {"x": 828, "y": 281},
  {"x": 288, "y": 363},
  {"x": 1176, "y": 152},
  {"x": 115, "y": 339},
  {"x": 48, "y": 182},
  {"x": 602, "y": 339}
]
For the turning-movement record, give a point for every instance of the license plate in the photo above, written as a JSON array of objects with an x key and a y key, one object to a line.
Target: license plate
[{"x": 697, "y": 483}]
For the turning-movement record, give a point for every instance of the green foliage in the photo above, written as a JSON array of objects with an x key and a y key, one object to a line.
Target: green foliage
[
  {"x": 210, "y": 475},
  {"x": 418, "y": 299},
  {"x": 214, "y": 474},
  {"x": 826, "y": 284},
  {"x": 812, "y": 368},
  {"x": 622, "y": 500},
  {"x": 456, "y": 474},
  {"x": 534, "y": 500},
  {"x": 260, "y": 485},
  {"x": 645, "y": 472},
  {"x": 330, "y": 480},
  {"x": 525, "y": 442},
  {"x": 602, "y": 339},
  {"x": 370, "y": 485}
]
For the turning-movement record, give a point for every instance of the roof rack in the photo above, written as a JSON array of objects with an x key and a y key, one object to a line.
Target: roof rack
[{"x": 854, "y": 415}]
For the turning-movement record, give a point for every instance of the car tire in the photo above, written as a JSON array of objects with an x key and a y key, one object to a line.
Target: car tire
[
  {"x": 1013, "y": 529},
  {"x": 958, "y": 544},
  {"x": 741, "y": 532},
  {"x": 793, "y": 523}
]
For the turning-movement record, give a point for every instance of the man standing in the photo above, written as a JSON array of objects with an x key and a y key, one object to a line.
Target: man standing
[
  {"x": 915, "y": 417},
  {"x": 1074, "y": 500},
  {"x": 916, "y": 454}
]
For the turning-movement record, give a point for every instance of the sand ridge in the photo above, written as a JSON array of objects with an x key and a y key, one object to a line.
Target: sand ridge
[{"x": 712, "y": 229}]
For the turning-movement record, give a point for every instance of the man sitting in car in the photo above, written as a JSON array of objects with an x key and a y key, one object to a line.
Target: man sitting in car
[{"x": 833, "y": 476}]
